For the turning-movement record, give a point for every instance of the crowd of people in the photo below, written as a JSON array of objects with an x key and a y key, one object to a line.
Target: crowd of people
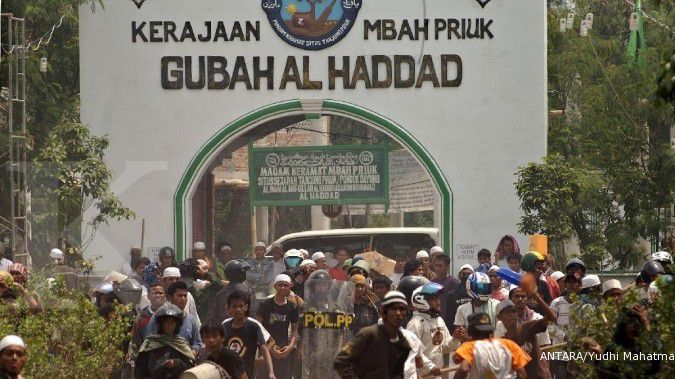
[{"x": 215, "y": 313}]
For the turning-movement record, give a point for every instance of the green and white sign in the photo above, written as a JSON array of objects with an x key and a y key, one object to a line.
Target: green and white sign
[{"x": 317, "y": 175}]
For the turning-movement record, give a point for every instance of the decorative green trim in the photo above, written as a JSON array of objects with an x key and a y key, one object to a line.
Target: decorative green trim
[{"x": 294, "y": 107}]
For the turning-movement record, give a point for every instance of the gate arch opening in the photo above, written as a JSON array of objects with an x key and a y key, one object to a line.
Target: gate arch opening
[{"x": 301, "y": 109}]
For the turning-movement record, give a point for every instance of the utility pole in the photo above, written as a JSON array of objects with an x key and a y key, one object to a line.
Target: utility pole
[{"x": 16, "y": 120}]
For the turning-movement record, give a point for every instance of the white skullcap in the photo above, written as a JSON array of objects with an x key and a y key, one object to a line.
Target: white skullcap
[
  {"x": 171, "y": 272},
  {"x": 260, "y": 244},
  {"x": 436, "y": 249},
  {"x": 557, "y": 275},
  {"x": 56, "y": 254},
  {"x": 307, "y": 262},
  {"x": 318, "y": 255},
  {"x": 610, "y": 285},
  {"x": 11, "y": 340},
  {"x": 226, "y": 247},
  {"x": 282, "y": 278},
  {"x": 466, "y": 266},
  {"x": 589, "y": 281},
  {"x": 135, "y": 247},
  {"x": 199, "y": 246},
  {"x": 493, "y": 268},
  {"x": 304, "y": 252},
  {"x": 422, "y": 254}
]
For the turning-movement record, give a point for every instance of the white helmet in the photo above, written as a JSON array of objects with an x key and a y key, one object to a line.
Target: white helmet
[{"x": 662, "y": 256}]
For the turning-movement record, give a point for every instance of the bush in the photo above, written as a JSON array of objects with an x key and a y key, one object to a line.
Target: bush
[
  {"x": 601, "y": 324},
  {"x": 68, "y": 339}
]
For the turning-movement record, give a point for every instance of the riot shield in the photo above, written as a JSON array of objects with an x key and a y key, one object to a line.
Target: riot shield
[{"x": 327, "y": 314}]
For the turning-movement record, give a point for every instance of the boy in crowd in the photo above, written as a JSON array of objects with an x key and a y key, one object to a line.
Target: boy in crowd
[
  {"x": 177, "y": 294},
  {"x": 213, "y": 336},
  {"x": 487, "y": 357},
  {"x": 513, "y": 260},
  {"x": 483, "y": 260},
  {"x": 277, "y": 314},
  {"x": 245, "y": 336},
  {"x": 426, "y": 323}
]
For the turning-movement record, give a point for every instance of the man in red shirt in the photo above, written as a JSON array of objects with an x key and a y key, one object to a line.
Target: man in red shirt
[{"x": 336, "y": 272}]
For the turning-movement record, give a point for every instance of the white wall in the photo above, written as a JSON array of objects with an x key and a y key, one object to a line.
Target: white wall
[{"x": 479, "y": 132}]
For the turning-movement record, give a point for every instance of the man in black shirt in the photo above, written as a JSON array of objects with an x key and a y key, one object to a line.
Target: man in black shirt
[
  {"x": 277, "y": 314},
  {"x": 213, "y": 337},
  {"x": 244, "y": 336}
]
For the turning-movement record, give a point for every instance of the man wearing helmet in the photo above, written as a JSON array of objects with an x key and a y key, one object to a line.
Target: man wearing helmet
[
  {"x": 665, "y": 259},
  {"x": 427, "y": 324},
  {"x": 479, "y": 288},
  {"x": 534, "y": 264},
  {"x": 164, "y": 354},
  {"x": 235, "y": 273}
]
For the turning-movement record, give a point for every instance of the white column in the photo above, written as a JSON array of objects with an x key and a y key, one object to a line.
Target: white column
[
  {"x": 262, "y": 224},
  {"x": 317, "y": 138}
]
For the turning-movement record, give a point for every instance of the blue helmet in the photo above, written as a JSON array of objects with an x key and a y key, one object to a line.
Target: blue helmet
[
  {"x": 478, "y": 286},
  {"x": 422, "y": 294}
]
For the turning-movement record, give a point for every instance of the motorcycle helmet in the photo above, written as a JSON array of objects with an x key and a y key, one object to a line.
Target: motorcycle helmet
[
  {"x": 169, "y": 310},
  {"x": 650, "y": 271},
  {"x": 235, "y": 270},
  {"x": 362, "y": 265},
  {"x": 292, "y": 259},
  {"x": 527, "y": 263},
  {"x": 662, "y": 257},
  {"x": 422, "y": 294},
  {"x": 410, "y": 283},
  {"x": 478, "y": 286}
]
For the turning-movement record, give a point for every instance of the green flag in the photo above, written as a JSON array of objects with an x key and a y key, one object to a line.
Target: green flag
[{"x": 636, "y": 42}]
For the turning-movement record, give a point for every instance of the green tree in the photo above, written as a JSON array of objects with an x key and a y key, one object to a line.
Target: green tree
[
  {"x": 68, "y": 174},
  {"x": 608, "y": 173},
  {"x": 68, "y": 339}
]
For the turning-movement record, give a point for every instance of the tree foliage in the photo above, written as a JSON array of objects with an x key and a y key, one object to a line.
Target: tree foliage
[
  {"x": 68, "y": 339},
  {"x": 608, "y": 173}
]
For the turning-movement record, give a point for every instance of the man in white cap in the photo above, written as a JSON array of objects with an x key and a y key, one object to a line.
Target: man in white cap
[
  {"x": 59, "y": 268},
  {"x": 423, "y": 257},
  {"x": 172, "y": 275},
  {"x": 587, "y": 301},
  {"x": 277, "y": 314},
  {"x": 199, "y": 252},
  {"x": 320, "y": 259},
  {"x": 367, "y": 355},
  {"x": 260, "y": 276},
  {"x": 12, "y": 357},
  {"x": 612, "y": 290}
]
